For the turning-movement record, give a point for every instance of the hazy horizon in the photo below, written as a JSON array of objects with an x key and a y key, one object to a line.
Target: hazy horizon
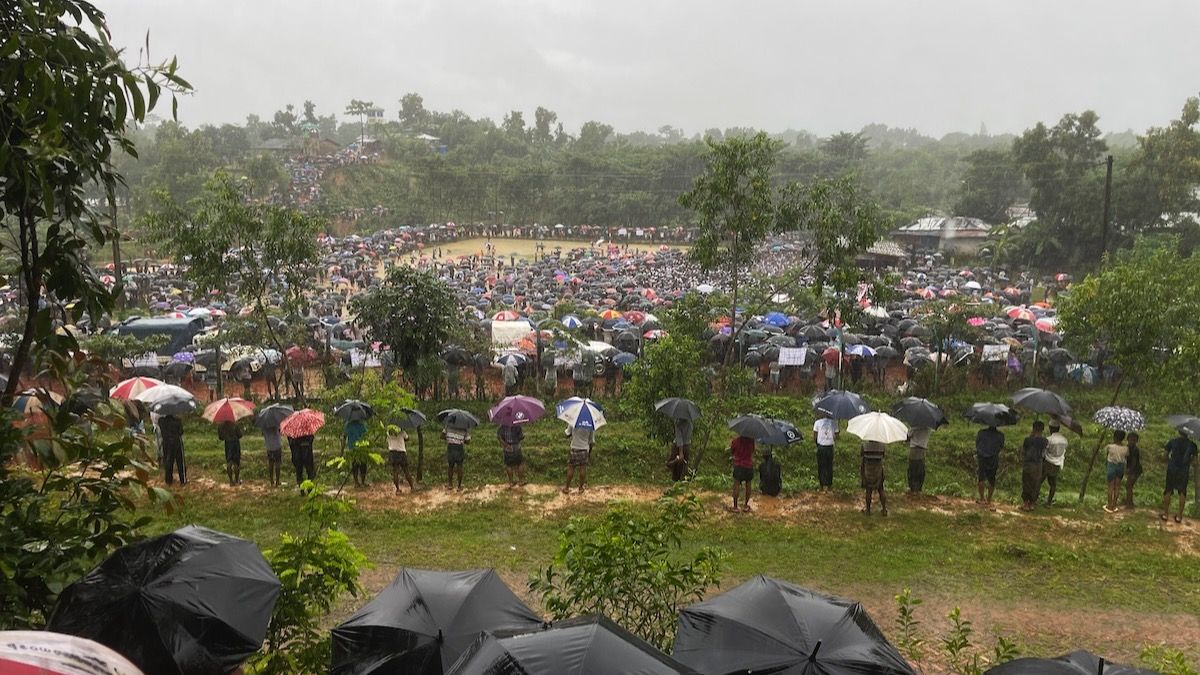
[{"x": 936, "y": 66}]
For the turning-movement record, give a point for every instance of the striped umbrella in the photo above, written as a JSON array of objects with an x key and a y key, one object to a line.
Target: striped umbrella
[
  {"x": 127, "y": 389},
  {"x": 304, "y": 422},
  {"x": 571, "y": 322},
  {"x": 228, "y": 410},
  {"x": 610, "y": 314},
  {"x": 32, "y": 401},
  {"x": 581, "y": 412}
]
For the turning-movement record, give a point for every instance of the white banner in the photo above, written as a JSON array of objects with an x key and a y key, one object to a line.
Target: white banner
[
  {"x": 994, "y": 353},
  {"x": 792, "y": 356},
  {"x": 506, "y": 333},
  {"x": 359, "y": 356}
]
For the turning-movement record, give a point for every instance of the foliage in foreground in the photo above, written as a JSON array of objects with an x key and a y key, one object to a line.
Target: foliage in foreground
[
  {"x": 628, "y": 566},
  {"x": 315, "y": 569}
]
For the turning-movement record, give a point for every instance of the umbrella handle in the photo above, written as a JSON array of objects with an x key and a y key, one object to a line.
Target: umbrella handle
[{"x": 816, "y": 648}]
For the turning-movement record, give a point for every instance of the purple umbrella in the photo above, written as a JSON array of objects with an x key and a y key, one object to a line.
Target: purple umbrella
[
  {"x": 184, "y": 357},
  {"x": 517, "y": 410}
]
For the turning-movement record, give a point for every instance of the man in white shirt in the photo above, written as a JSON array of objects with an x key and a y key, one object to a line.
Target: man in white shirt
[
  {"x": 825, "y": 431},
  {"x": 1052, "y": 461},
  {"x": 582, "y": 439}
]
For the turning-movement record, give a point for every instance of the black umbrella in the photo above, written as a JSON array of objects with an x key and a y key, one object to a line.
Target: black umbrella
[
  {"x": 590, "y": 644},
  {"x": 753, "y": 426},
  {"x": 786, "y": 433},
  {"x": 678, "y": 408},
  {"x": 1059, "y": 355},
  {"x": 919, "y": 412},
  {"x": 840, "y": 405},
  {"x": 1188, "y": 424},
  {"x": 423, "y": 621},
  {"x": 992, "y": 414},
  {"x": 270, "y": 417},
  {"x": 352, "y": 409},
  {"x": 771, "y": 626},
  {"x": 886, "y": 352},
  {"x": 1042, "y": 401},
  {"x": 1075, "y": 663},
  {"x": 192, "y": 601},
  {"x": 412, "y": 418},
  {"x": 454, "y": 418}
]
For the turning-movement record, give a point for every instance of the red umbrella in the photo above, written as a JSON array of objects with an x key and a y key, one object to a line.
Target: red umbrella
[
  {"x": 127, "y": 389},
  {"x": 506, "y": 315},
  {"x": 654, "y": 334},
  {"x": 228, "y": 410},
  {"x": 635, "y": 317},
  {"x": 304, "y": 422},
  {"x": 1020, "y": 314},
  {"x": 832, "y": 356}
]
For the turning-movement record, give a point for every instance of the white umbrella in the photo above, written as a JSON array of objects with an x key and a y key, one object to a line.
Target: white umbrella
[
  {"x": 163, "y": 392},
  {"x": 877, "y": 426}
]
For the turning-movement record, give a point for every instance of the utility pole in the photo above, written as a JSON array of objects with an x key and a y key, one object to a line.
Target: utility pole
[{"x": 1108, "y": 163}]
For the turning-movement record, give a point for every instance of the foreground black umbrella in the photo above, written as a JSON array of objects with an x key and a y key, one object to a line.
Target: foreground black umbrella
[
  {"x": 992, "y": 414},
  {"x": 786, "y": 433},
  {"x": 193, "y": 601},
  {"x": 271, "y": 416},
  {"x": 1041, "y": 400},
  {"x": 413, "y": 419},
  {"x": 919, "y": 412},
  {"x": 678, "y": 408},
  {"x": 423, "y": 621},
  {"x": 840, "y": 405},
  {"x": 771, "y": 626},
  {"x": 351, "y": 410},
  {"x": 1075, "y": 663},
  {"x": 590, "y": 644},
  {"x": 454, "y": 418}
]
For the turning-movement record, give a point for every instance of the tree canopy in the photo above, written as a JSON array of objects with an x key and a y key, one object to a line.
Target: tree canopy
[{"x": 413, "y": 312}]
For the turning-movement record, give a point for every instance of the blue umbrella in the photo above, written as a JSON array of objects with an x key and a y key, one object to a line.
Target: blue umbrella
[
  {"x": 580, "y": 412},
  {"x": 624, "y": 358},
  {"x": 777, "y": 319},
  {"x": 571, "y": 322},
  {"x": 860, "y": 350}
]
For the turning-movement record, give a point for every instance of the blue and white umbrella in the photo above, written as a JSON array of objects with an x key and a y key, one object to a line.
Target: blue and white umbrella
[
  {"x": 860, "y": 350},
  {"x": 571, "y": 322},
  {"x": 580, "y": 412}
]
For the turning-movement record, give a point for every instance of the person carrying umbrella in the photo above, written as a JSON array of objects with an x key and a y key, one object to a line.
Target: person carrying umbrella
[
  {"x": 825, "y": 432},
  {"x": 1181, "y": 455},
  {"x": 268, "y": 421},
  {"x": 510, "y": 436},
  {"x": 1117, "y": 453},
  {"x": 582, "y": 440},
  {"x": 170, "y": 429},
  {"x": 355, "y": 431},
  {"x": 231, "y": 434},
  {"x": 1033, "y": 456},
  {"x": 1053, "y": 459},
  {"x": 398, "y": 456},
  {"x": 456, "y": 454},
  {"x": 741, "y": 450},
  {"x": 680, "y": 449}
]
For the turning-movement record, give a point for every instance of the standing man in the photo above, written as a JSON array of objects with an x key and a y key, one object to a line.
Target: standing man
[
  {"x": 274, "y": 445},
  {"x": 171, "y": 429},
  {"x": 549, "y": 371},
  {"x": 514, "y": 462},
  {"x": 1133, "y": 467},
  {"x": 582, "y": 439},
  {"x": 825, "y": 432},
  {"x": 456, "y": 454},
  {"x": 680, "y": 449},
  {"x": 871, "y": 469},
  {"x": 1055, "y": 456},
  {"x": 989, "y": 442},
  {"x": 301, "y": 449},
  {"x": 918, "y": 443},
  {"x": 581, "y": 374},
  {"x": 1181, "y": 454},
  {"x": 742, "y": 451},
  {"x": 510, "y": 378},
  {"x": 397, "y": 442},
  {"x": 1033, "y": 455},
  {"x": 452, "y": 381},
  {"x": 355, "y": 431}
]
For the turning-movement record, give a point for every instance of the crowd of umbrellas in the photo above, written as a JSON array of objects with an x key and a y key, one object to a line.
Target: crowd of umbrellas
[{"x": 198, "y": 602}]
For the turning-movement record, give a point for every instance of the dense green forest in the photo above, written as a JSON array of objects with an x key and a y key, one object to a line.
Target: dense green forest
[{"x": 427, "y": 166}]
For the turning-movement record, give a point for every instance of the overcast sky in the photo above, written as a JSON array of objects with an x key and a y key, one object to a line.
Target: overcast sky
[{"x": 936, "y": 65}]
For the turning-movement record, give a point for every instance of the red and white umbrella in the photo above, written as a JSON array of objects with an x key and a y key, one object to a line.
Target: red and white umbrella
[
  {"x": 506, "y": 315},
  {"x": 127, "y": 389},
  {"x": 228, "y": 410},
  {"x": 1020, "y": 314},
  {"x": 304, "y": 422},
  {"x": 1047, "y": 324},
  {"x": 654, "y": 334}
]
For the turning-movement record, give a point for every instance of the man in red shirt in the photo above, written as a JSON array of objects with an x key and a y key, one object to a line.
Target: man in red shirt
[{"x": 742, "y": 449}]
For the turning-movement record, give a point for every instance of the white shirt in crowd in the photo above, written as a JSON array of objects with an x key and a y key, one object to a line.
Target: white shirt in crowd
[
  {"x": 1056, "y": 449},
  {"x": 826, "y": 430}
]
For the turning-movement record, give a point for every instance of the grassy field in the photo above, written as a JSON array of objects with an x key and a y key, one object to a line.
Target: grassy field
[{"x": 1069, "y": 576}]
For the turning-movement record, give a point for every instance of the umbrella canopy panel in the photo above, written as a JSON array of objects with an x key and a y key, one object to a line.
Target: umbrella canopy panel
[
  {"x": 424, "y": 620},
  {"x": 192, "y": 601},
  {"x": 767, "y": 625}
]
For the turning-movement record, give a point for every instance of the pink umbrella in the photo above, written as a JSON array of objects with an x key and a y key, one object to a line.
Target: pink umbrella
[{"x": 976, "y": 321}]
